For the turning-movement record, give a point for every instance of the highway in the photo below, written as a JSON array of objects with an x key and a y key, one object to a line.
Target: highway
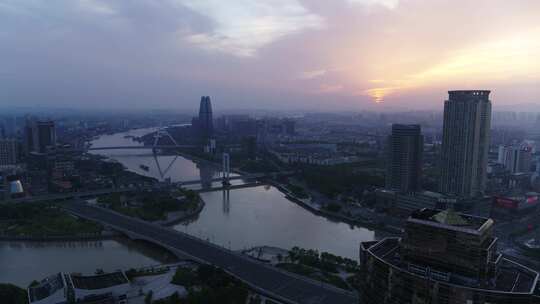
[
  {"x": 70, "y": 195},
  {"x": 270, "y": 281}
]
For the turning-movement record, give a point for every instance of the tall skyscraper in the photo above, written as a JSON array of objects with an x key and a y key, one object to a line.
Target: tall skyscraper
[
  {"x": 28, "y": 141},
  {"x": 465, "y": 147},
  {"x": 404, "y": 166},
  {"x": 39, "y": 135},
  {"x": 44, "y": 135},
  {"x": 8, "y": 152},
  {"x": 443, "y": 257},
  {"x": 205, "y": 122}
]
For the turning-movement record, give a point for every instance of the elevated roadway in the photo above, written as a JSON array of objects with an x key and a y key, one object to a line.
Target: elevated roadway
[{"x": 270, "y": 281}]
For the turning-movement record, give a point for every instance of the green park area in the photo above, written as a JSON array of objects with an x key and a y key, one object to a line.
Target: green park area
[
  {"x": 152, "y": 206},
  {"x": 297, "y": 191},
  {"x": 338, "y": 179},
  {"x": 205, "y": 284},
  {"x": 12, "y": 294},
  {"x": 42, "y": 220},
  {"x": 324, "y": 267}
]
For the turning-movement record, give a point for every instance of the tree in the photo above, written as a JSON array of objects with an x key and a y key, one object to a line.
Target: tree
[
  {"x": 184, "y": 277},
  {"x": 33, "y": 283},
  {"x": 148, "y": 298},
  {"x": 12, "y": 294}
]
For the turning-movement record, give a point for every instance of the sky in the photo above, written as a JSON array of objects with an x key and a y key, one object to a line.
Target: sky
[{"x": 336, "y": 55}]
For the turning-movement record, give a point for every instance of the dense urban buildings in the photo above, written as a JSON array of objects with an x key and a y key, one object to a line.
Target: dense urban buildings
[
  {"x": 75, "y": 288},
  {"x": 349, "y": 152},
  {"x": 465, "y": 145},
  {"x": 352, "y": 153},
  {"x": 444, "y": 257},
  {"x": 404, "y": 166}
]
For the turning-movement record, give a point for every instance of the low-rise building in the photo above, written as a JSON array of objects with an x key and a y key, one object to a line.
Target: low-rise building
[
  {"x": 70, "y": 288},
  {"x": 512, "y": 205},
  {"x": 403, "y": 204},
  {"x": 322, "y": 154},
  {"x": 114, "y": 284},
  {"x": 399, "y": 203},
  {"x": 51, "y": 290}
]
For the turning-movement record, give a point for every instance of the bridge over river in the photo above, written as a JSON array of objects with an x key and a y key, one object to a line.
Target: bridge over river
[{"x": 272, "y": 282}]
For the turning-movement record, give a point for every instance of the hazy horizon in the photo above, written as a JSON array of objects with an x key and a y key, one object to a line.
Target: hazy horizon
[{"x": 273, "y": 55}]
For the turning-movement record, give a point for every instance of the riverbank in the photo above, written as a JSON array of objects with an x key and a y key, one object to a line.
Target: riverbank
[
  {"x": 104, "y": 235},
  {"x": 159, "y": 206},
  {"x": 305, "y": 203},
  {"x": 174, "y": 218},
  {"x": 323, "y": 267},
  {"x": 42, "y": 221}
]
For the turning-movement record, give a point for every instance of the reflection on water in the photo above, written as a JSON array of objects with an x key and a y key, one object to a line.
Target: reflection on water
[
  {"x": 22, "y": 262},
  {"x": 226, "y": 202},
  {"x": 243, "y": 218},
  {"x": 207, "y": 173}
]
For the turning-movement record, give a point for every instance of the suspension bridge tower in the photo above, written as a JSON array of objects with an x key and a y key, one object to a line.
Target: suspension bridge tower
[{"x": 226, "y": 169}]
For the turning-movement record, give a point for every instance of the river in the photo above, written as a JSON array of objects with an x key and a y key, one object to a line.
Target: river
[
  {"x": 23, "y": 262},
  {"x": 236, "y": 219},
  {"x": 250, "y": 217}
]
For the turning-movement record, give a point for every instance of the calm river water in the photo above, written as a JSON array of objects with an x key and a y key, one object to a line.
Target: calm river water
[
  {"x": 22, "y": 262},
  {"x": 249, "y": 217}
]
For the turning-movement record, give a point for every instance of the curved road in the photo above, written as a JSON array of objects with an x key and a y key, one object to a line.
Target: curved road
[{"x": 270, "y": 281}]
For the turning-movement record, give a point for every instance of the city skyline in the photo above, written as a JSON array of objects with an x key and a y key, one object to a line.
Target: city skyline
[
  {"x": 269, "y": 151},
  {"x": 312, "y": 55}
]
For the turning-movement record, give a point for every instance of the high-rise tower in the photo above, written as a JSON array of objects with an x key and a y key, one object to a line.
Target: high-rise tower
[
  {"x": 466, "y": 138},
  {"x": 205, "y": 122},
  {"x": 404, "y": 167},
  {"x": 39, "y": 135}
]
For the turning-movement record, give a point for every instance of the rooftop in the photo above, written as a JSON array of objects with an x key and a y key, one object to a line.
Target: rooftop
[
  {"x": 450, "y": 218},
  {"x": 46, "y": 288},
  {"x": 99, "y": 281},
  {"x": 464, "y": 93},
  {"x": 512, "y": 277}
]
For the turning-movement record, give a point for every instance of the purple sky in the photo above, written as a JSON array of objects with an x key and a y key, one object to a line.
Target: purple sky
[{"x": 267, "y": 54}]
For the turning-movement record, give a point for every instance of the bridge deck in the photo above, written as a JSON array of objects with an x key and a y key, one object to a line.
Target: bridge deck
[
  {"x": 269, "y": 280},
  {"x": 140, "y": 147}
]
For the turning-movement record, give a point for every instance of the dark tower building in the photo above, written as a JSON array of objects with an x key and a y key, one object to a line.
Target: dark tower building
[
  {"x": 205, "y": 121},
  {"x": 465, "y": 147},
  {"x": 444, "y": 257},
  {"x": 44, "y": 134},
  {"x": 404, "y": 167},
  {"x": 39, "y": 135}
]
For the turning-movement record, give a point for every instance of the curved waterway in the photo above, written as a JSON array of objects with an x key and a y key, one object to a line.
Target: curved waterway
[
  {"x": 235, "y": 219},
  {"x": 242, "y": 218}
]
